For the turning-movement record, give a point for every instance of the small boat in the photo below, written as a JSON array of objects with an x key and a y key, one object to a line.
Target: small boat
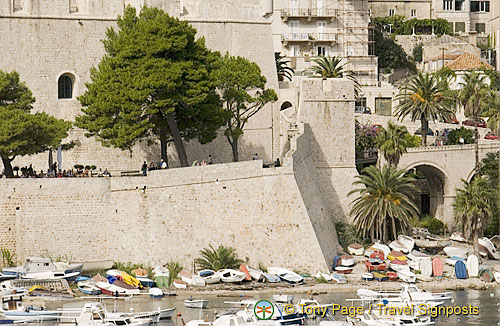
[
  {"x": 114, "y": 289},
  {"x": 382, "y": 247},
  {"x": 339, "y": 278},
  {"x": 285, "y": 298},
  {"x": 426, "y": 267},
  {"x": 99, "y": 278},
  {"x": 485, "y": 274},
  {"x": 166, "y": 313},
  {"x": 286, "y": 275},
  {"x": 256, "y": 274},
  {"x": 88, "y": 287},
  {"x": 271, "y": 278},
  {"x": 180, "y": 284},
  {"x": 407, "y": 276},
  {"x": 91, "y": 266},
  {"x": 146, "y": 282},
  {"x": 343, "y": 270},
  {"x": 4, "y": 277},
  {"x": 453, "y": 260},
  {"x": 244, "y": 269},
  {"x": 156, "y": 293},
  {"x": 455, "y": 252},
  {"x": 458, "y": 236},
  {"x": 432, "y": 245},
  {"x": 380, "y": 277},
  {"x": 356, "y": 249},
  {"x": 393, "y": 276},
  {"x": 404, "y": 244},
  {"x": 140, "y": 272},
  {"x": 196, "y": 303},
  {"x": 416, "y": 255},
  {"x": 437, "y": 267},
  {"x": 375, "y": 264},
  {"x": 13, "y": 308},
  {"x": 231, "y": 275},
  {"x": 489, "y": 248},
  {"x": 50, "y": 276},
  {"x": 396, "y": 255},
  {"x": 367, "y": 277},
  {"x": 347, "y": 261},
  {"x": 460, "y": 270},
  {"x": 325, "y": 276},
  {"x": 191, "y": 279},
  {"x": 123, "y": 277},
  {"x": 497, "y": 276},
  {"x": 377, "y": 254},
  {"x": 209, "y": 276},
  {"x": 398, "y": 265},
  {"x": 473, "y": 266}
]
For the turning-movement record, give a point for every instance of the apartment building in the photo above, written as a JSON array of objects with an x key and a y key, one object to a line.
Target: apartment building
[
  {"x": 464, "y": 15},
  {"x": 305, "y": 29},
  {"x": 495, "y": 29}
]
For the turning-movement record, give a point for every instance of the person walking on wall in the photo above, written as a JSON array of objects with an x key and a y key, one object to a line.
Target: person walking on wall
[{"x": 144, "y": 169}]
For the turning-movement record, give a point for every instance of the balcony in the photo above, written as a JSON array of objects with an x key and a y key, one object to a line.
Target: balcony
[
  {"x": 310, "y": 38},
  {"x": 308, "y": 13}
]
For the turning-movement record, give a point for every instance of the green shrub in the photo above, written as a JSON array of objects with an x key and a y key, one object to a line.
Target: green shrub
[
  {"x": 220, "y": 258},
  {"x": 173, "y": 271},
  {"x": 128, "y": 267},
  {"x": 347, "y": 234},
  {"x": 7, "y": 257},
  {"x": 454, "y": 136},
  {"x": 434, "y": 225},
  {"x": 320, "y": 280},
  {"x": 262, "y": 267}
]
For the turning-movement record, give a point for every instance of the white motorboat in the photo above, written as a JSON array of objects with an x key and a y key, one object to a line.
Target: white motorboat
[
  {"x": 283, "y": 298},
  {"x": 231, "y": 275},
  {"x": 373, "y": 319},
  {"x": 209, "y": 276},
  {"x": 455, "y": 252},
  {"x": 166, "y": 313},
  {"x": 399, "y": 266},
  {"x": 235, "y": 320},
  {"x": 94, "y": 314},
  {"x": 458, "y": 236},
  {"x": 191, "y": 279},
  {"x": 489, "y": 248},
  {"x": 404, "y": 244},
  {"x": 156, "y": 293},
  {"x": 367, "y": 276},
  {"x": 51, "y": 275},
  {"x": 180, "y": 284},
  {"x": 121, "y": 319},
  {"x": 339, "y": 278},
  {"x": 326, "y": 277},
  {"x": 39, "y": 265},
  {"x": 407, "y": 276},
  {"x": 88, "y": 287},
  {"x": 286, "y": 275},
  {"x": 14, "y": 309},
  {"x": 112, "y": 289},
  {"x": 409, "y": 293},
  {"x": 416, "y": 255},
  {"x": 347, "y": 261},
  {"x": 196, "y": 303},
  {"x": 256, "y": 273}
]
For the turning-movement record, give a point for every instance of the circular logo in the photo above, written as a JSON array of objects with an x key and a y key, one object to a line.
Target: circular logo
[{"x": 263, "y": 310}]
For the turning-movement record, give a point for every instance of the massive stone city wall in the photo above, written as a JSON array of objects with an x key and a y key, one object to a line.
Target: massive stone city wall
[{"x": 167, "y": 216}]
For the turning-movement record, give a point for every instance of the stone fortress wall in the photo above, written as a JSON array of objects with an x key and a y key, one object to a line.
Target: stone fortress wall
[{"x": 43, "y": 40}]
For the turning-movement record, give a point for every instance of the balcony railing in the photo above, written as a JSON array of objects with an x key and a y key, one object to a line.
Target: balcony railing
[
  {"x": 310, "y": 37},
  {"x": 308, "y": 12}
]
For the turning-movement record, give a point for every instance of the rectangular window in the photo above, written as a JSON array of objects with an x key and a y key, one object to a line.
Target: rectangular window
[
  {"x": 294, "y": 7},
  {"x": 391, "y": 12},
  {"x": 17, "y": 5},
  {"x": 321, "y": 50},
  {"x": 459, "y": 5},
  {"x": 371, "y": 40},
  {"x": 295, "y": 50},
  {"x": 73, "y": 6},
  {"x": 447, "y": 4},
  {"x": 480, "y": 6},
  {"x": 459, "y": 27},
  {"x": 414, "y": 12},
  {"x": 321, "y": 29},
  {"x": 383, "y": 106},
  {"x": 481, "y": 27}
]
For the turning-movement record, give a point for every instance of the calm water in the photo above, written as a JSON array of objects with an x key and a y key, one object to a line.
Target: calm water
[{"x": 488, "y": 302}]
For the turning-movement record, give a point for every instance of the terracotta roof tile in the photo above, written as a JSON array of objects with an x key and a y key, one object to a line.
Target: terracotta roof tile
[{"x": 468, "y": 61}]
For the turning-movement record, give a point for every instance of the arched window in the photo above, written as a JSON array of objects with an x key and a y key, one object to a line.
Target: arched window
[{"x": 65, "y": 87}]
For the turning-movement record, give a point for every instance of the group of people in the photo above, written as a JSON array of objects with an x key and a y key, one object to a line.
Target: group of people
[{"x": 54, "y": 172}]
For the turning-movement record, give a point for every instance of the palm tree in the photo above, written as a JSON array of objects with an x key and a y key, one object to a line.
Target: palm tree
[
  {"x": 473, "y": 96},
  {"x": 392, "y": 143},
  {"x": 385, "y": 204},
  {"x": 473, "y": 207},
  {"x": 424, "y": 97},
  {"x": 332, "y": 67},
  {"x": 220, "y": 258},
  {"x": 282, "y": 68}
]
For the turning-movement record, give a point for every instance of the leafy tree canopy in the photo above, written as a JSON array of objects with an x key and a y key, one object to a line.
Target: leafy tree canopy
[
  {"x": 155, "y": 80},
  {"x": 23, "y": 133},
  {"x": 454, "y": 136}
]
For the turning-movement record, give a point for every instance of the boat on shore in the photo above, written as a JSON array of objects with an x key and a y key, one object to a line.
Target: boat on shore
[
  {"x": 256, "y": 274},
  {"x": 404, "y": 244},
  {"x": 356, "y": 249},
  {"x": 231, "y": 275},
  {"x": 286, "y": 275},
  {"x": 33, "y": 266},
  {"x": 191, "y": 279},
  {"x": 209, "y": 276},
  {"x": 88, "y": 287},
  {"x": 455, "y": 252},
  {"x": 486, "y": 246}
]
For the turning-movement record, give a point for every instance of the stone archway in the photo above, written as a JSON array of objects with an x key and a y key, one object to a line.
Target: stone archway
[{"x": 434, "y": 189}]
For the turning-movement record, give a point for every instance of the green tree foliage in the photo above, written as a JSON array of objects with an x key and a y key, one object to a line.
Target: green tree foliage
[
  {"x": 154, "y": 81},
  {"x": 454, "y": 136},
  {"x": 489, "y": 171},
  {"x": 174, "y": 268},
  {"x": 473, "y": 208},
  {"x": 282, "y": 68},
  {"x": 217, "y": 259},
  {"x": 401, "y": 26},
  {"x": 390, "y": 54},
  {"x": 384, "y": 206},
  {"x": 424, "y": 97},
  {"x": 474, "y": 95},
  {"x": 23, "y": 133},
  {"x": 333, "y": 67},
  {"x": 243, "y": 93},
  {"x": 417, "y": 52},
  {"x": 393, "y": 142},
  {"x": 347, "y": 234}
]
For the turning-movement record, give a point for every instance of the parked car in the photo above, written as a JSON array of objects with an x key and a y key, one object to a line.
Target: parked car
[
  {"x": 453, "y": 120},
  {"x": 491, "y": 136},
  {"x": 429, "y": 132},
  {"x": 479, "y": 122},
  {"x": 362, "y": 109}
]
